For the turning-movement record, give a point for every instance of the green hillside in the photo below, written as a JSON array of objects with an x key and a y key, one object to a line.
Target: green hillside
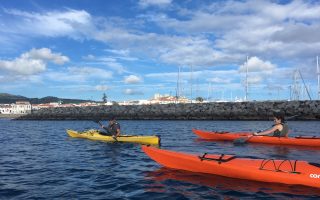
[{"x": 6, "y": 98}]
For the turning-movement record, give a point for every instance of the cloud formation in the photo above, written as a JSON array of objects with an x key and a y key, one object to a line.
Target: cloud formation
[
  {"x": 255, "y": 64},
  {"x": 147, "y": 3},
  {"x": 70, "y": 23},
  {"x": 102, "y": 87},
  {"x": 80, "y": 74},
  {"x": 32, "y": 62},
  {"x": 212, "y": 37},
  {"x": 132, "y": 79},
  {"x": 132, "y": 92}
]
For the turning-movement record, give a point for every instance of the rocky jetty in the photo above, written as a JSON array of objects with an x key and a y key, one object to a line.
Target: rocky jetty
[{"x": 253, "y": 110}]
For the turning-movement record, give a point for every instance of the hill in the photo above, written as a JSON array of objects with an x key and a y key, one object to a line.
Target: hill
[{"x": 6, "y": 98}]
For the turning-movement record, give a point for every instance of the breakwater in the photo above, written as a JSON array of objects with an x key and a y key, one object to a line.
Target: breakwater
[{"x": 253, "y": 110}]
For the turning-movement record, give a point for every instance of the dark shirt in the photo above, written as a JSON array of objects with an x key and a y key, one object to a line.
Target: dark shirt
[
  {"x": 281, "y": 133},
  {"x": 112, "y": 129}
]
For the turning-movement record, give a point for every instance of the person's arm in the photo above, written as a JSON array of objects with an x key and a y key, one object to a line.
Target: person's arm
[
  {"x": 117, "y": 127},
  {"x": 118, "y": 132},
  {"x": 106, "y": 128},
  {"x": 267, "y": 132}
]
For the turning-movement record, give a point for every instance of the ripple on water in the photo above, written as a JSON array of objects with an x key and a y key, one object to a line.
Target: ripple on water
[{"x": 39, "y": 161}]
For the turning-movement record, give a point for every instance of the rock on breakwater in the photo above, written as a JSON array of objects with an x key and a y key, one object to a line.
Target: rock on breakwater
[{"x": 253, "y": 110}]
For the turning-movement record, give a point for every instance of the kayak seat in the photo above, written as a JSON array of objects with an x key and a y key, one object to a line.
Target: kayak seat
[
  {"x": 220, "y": 132},
  {"x": 273, "y": 166},
  {"x": 218, "y": 158}
]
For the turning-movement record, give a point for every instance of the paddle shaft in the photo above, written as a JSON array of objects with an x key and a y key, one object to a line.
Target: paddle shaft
[{"x": 113, "y": 136}]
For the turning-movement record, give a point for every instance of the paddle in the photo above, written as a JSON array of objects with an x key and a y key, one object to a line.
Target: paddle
[
  {"x": 242, "y": 140},
  {"x": 245, "y": 139},
  {"x": 101, "y": 125}
]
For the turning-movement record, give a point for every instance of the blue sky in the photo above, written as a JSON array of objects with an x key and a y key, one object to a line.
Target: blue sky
[{"x": 132, "y": 49}]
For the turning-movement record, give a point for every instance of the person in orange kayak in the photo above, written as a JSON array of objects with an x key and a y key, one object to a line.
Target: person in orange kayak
[
  {"x": 113, "y": 129},
  {"x": 279, "y": 129}
]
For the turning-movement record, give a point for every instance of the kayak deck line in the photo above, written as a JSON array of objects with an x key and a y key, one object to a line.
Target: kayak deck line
[
  {"x": 293, "y": 165},
  {"x": 220, "y": 159},
  {"x": 226, "y": 158}
]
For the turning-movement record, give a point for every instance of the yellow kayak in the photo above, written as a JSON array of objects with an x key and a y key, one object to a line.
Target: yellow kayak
[{"x": 95, "y": 135}]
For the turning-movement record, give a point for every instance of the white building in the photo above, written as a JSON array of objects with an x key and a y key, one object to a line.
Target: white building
[
  {"x": 5, "y": 109},
  {"x": 167, "y": 99},
  {"x": 20, "y": 107}
]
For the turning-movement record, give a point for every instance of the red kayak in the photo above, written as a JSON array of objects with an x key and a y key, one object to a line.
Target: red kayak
[
  {"x": 311, "y": 141},
  {"x": 291, "y": 172}
]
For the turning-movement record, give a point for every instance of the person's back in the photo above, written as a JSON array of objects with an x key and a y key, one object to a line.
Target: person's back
[{"x": 283, "y": 133}]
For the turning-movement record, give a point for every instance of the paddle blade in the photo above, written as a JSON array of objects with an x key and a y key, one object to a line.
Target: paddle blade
[{"x": 241, "y": 140}]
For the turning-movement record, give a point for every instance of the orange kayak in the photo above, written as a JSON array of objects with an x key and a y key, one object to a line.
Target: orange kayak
[
  {"x": 291, "y": 172},
  {"x": 311, "y": 141}
]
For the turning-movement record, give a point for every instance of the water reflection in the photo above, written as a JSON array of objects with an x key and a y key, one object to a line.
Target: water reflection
[{"x": 163, "y": 176}]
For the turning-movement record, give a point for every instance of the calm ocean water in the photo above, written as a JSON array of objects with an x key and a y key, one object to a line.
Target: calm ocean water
[{"x": 39, "y": 161}]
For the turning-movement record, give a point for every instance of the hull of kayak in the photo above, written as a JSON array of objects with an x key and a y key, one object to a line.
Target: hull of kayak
[
  {"x": 230, "y": 136},
  {"x": 95, "y": 135},
  {"x": 274, "y": 171}
]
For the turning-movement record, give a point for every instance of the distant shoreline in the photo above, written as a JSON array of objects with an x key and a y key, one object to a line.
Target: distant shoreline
[{"x": 10, "y": 116}]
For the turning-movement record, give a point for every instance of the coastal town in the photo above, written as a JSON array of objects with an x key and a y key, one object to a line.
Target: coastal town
[{"x": 25, "y": 107}]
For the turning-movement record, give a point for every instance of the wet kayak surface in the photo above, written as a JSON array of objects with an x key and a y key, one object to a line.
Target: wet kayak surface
[{"x": 39, "y": 161}]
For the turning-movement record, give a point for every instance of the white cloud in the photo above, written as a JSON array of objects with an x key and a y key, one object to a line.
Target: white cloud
[
  {"x": 262, "y": 28},
  {"x": 132, "y": 92},
  {"x": 20, "y": 80},
  {"x": 109, "y": 62},
  {"x": 194, "y": 52},
  {"x": 23, "y": 66},
  {"x": 122, "y": 52},
  {"x": 102, "y": 87},
  {"x": 80, "y": 74},
  {"x": 47, "y": 55},
  {"x": 220, "y": 80},
  {"x": 71, "y": 23},
  {"x": 147, "y": 3},
  {"x": 89, "y": 57},
  {"x": 132, "y": 79},
  {"x": 255, "y": 64},
  {"x": 32, "y": 62},
  {"x": 255, "y": 79}
]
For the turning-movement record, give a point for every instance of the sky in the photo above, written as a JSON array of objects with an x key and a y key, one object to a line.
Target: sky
[{"x": 132, "y": 49}]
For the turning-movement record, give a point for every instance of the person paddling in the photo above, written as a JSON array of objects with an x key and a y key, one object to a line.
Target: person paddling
[
  {"x": 113, "y": 129},
  {"x": 279, "y": 129}
]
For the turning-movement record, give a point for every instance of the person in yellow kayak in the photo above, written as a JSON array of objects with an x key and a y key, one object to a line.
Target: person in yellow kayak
[
  {"x": 113, "y": 129},
  {"x": 279, "y": 129}
]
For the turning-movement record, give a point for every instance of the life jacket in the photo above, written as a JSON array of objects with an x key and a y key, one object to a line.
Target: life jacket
[
  {"x": 283, "y": 133},
  {"x": 112, "y": 129}
]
